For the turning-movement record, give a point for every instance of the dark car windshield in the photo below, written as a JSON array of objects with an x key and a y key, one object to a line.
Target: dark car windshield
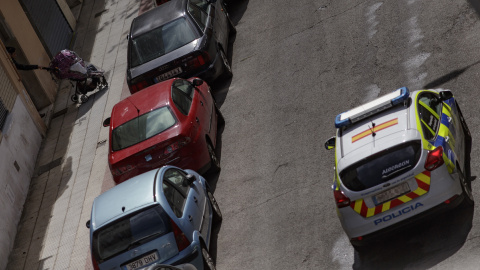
[
  {"x": 381, "y": 167},
  {"x": 141, "y": 128},
  {"x": 130, "y": 232},
  {"x": 160, "y": 41}
]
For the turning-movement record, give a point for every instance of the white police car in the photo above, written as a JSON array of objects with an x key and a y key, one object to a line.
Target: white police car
[{"x": 399, "y": 158}]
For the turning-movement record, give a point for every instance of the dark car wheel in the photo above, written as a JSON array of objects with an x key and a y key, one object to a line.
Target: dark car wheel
[
  {"x": 74, "y": 98},
  {"x": 217, "y": 214},
  {"x": 232, "y": 28},
  {"x": 207, "y": 259},
  {"x": 227, "y": 69},
  {"x": 214, "y": 162}
]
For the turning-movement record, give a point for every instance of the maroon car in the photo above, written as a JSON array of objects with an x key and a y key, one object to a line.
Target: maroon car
[{"x": 173, "y": 122}]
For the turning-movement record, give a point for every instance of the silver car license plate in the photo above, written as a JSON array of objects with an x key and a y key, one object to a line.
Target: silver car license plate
[
  {"x": 392, "y": 193},
  {"x": 145, "y": 260}
]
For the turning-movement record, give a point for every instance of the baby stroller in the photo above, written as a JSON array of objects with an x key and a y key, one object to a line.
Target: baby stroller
[{"x": 68, "y": 65}]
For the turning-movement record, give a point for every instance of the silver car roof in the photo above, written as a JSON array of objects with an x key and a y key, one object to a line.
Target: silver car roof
[{"x": 124, "y": 198}]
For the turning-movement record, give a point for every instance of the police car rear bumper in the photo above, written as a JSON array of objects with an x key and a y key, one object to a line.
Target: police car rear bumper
[{"x": 407, "y": 223}]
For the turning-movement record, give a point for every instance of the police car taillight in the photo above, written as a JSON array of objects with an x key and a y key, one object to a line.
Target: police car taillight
[
  {"x": 341, "y": 199},
  {"x": 434, "y": 159}
]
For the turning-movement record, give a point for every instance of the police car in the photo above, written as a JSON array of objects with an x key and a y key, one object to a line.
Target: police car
[{"x": 399, "y": 158}]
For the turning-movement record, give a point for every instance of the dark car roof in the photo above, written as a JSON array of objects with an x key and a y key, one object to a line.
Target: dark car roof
[
  {"x": 155, "y": 96},
  {"x": 158, "y": 16}
]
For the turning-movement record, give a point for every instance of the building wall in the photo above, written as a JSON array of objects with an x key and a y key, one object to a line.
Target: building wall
[
  {"x": 22, "y": 133},
  {"x": 18, "y": 152},
  {"x": 30, "y": 44},
  {"x": 7, "y": 93}
]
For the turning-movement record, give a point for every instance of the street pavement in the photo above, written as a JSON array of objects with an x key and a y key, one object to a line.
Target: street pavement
[{"x": 71, "y": 168}]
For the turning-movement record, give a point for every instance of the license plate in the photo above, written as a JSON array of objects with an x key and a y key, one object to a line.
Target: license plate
[
  {"x": 392, "y": 193},
  {"x": 150, "y": 258},
  {"x": 169, "y": 74}
]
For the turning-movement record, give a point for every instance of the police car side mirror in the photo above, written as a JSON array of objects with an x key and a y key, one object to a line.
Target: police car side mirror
[
  {"x": 330, "y": 143},
  {"x": 445, "y": 95}
]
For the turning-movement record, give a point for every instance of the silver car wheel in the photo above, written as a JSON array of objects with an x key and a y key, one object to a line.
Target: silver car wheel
[{"x": 207, "y": 259}]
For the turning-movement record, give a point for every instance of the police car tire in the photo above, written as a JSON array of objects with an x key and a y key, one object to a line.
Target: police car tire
[
  {"x": 467, "y": 189},
  {"x": 359, "y": 249}
]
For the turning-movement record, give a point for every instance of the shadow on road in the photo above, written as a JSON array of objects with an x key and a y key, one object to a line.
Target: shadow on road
[
  {"x": 422, "y": 246},
  {"x": 448, "y": 77}
]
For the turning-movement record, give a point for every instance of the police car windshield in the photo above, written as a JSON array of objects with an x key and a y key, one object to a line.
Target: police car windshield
[{"x": 381, "y": 167}]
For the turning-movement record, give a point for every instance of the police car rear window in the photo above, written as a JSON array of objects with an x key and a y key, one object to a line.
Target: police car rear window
[{"x": 381, "y": 167}]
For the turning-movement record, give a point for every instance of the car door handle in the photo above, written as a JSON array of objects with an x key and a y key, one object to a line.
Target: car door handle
[
  {"x": 201, "y": 103},
  {"x": 449, "y": 119},
  {"x": 447, "y": 139},
  {"x": 190, "y": 218},
  {"x": 196, "y": 119}
]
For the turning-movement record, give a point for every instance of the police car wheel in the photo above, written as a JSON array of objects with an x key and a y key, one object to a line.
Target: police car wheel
[
  {"x": 467, "y": 189},
  {"x": 359, "y": 249}
]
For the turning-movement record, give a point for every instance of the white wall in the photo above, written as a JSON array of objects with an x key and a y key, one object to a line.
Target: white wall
[{"x": 20, "y": 144}]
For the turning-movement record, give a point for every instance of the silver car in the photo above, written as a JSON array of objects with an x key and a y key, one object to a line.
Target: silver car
[{"x": 162, "y": 216}]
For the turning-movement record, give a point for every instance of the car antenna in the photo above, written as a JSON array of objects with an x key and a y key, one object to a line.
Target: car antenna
[{"x": 372, "y": 129}]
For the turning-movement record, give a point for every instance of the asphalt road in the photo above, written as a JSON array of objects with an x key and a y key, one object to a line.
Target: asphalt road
[{"x": 297, "y": 64}]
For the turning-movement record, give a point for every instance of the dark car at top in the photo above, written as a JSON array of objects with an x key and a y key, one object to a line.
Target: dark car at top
[{"x": 180, "y": 38}]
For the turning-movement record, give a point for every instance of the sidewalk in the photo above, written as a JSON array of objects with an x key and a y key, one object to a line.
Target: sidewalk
[{"x": 72, "y": 168}]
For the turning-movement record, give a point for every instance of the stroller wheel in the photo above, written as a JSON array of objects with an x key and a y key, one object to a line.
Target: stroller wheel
[
  {"x": 84, "y": 98},
  {"x": 74, "y": 98},
  {"x": 104, "y": 81}
]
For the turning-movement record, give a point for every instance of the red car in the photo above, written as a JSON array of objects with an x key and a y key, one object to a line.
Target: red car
[{"x": 170, "y": 123}]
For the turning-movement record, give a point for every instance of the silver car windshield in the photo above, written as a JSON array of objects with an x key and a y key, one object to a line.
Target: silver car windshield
[
  {"x": 160, "y": 41},
  {"x": 381, "y": 167},
  {"x": 141, "y": 128},
  {"x": 130, "y": 232}
]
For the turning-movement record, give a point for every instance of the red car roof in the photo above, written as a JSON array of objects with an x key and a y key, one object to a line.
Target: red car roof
[{"x": 141, "y": 102}]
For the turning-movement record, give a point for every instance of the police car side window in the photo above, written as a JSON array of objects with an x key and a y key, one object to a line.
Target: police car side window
[{"x": 429, "y": 110}]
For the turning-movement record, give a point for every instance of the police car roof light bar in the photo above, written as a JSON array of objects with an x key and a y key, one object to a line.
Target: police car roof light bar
[{"x": 375, "y": 106}]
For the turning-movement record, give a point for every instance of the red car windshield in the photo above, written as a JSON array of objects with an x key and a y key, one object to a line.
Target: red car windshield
[
  {"x": 141, "y": 128},
  {"x": 161, "y": 41}
]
